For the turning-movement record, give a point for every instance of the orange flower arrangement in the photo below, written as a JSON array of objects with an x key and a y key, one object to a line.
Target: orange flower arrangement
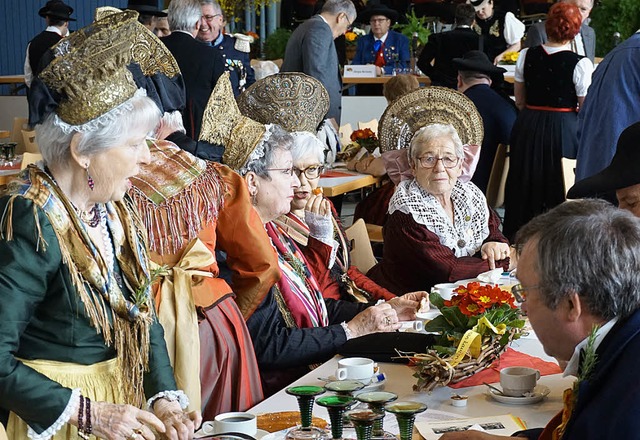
[
  {"x": 365, "y": 138},
  {"x": 475, "y": 298}
]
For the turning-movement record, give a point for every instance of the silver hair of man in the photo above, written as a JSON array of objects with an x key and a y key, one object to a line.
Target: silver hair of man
[
  {"x": 335, "y": 7},
  {"x": 307, "y": 143},
  {"x": 433, "y": 131},
  {"x": 278, "y": 140},
  {"x": 55, "y": 143},
  {"x": 589, "y": 247},
  {"x": 215, "y": 4},
  {"x": 184, "y": 15}
]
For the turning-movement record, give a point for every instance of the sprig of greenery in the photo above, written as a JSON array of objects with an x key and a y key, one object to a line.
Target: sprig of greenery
[
  {"x": 140, "y": 294},
  {"x": 590, "y": 358}
]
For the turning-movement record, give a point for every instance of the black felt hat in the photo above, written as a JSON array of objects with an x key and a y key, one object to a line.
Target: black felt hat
[
  {"x": 621, "y": 173},
  {"x": 149, "y": 7},
  {"x": 377, "y": 9},
  {"x": 57, "y": 9},
  {"x": 477, "y": 61}
]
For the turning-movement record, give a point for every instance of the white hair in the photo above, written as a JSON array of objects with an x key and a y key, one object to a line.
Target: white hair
[
  {"x": 184, "y": 15},
  {"x": 55, "y": 142},
  {"x": 305, "y": 143},
  {"x": 433, "y": 131}
]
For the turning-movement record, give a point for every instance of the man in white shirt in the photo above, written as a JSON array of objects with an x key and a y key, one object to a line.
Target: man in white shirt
[
  {"x": 585, "y": 41},
  {"x": 57, "y": 15}
]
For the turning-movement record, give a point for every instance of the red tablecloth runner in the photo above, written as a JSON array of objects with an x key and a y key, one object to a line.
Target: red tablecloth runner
[
  {"x": 510, "y": 358},
  {"x": 332, "y": 173}
]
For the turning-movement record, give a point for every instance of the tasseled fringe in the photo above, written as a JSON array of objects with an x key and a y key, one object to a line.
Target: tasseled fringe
[
  {"x": 132, "y": 345},
  {"x": 175, "y": 222},
  {"x": 6, "y": 225},
  {"x": 282, "y": 306}
]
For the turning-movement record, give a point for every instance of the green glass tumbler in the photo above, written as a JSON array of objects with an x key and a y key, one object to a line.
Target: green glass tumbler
[
  {"x": 336, "y": 406},
  {"x": 405, "y": 412}
]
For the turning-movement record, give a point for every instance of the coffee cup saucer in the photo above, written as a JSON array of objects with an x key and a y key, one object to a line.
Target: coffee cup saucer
[
  {"x": 538, "y": 393},
  {"x": 374, "y": 383},
  {"x": 207, "y": 430}
]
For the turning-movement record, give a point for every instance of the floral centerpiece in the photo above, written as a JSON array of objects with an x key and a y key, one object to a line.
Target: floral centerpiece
[
  {"x": 360, "y": 139},
  {"x": 475, "y": 327},
  {"x": 353, "y": 35},
  {"x": 510, "y": 57}
]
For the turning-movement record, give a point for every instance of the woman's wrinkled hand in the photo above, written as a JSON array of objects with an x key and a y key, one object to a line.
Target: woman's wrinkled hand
[
  {"x": 494, "y": 251},
  {"x": 407, "y": 304},
  {"x": 318, "y": 205},
  {"x": 374, "y": 319},
  {"x": 122, "y": 422},
  {"x": 178, "y": 424}
]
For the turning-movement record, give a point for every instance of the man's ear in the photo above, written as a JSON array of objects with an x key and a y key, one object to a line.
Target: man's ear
[
  {"x": 251, "y": 180},
  {"x": 574, "y": 307}
]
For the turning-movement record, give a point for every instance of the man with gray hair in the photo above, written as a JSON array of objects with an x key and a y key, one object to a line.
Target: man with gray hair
[
  {"x": 201, "y": 65},
  {"x": 579, "y": 269},
  {"x": 234, "y": 49},
  {"x": 311, "y": 49},
  {"x": 584, "y": 42}
]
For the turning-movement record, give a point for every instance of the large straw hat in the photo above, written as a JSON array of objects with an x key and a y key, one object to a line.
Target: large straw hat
[
  {"x": 295, "y": 101},
  {"x": 429, "y": 105},
  {"x": 223, "y": 124}
]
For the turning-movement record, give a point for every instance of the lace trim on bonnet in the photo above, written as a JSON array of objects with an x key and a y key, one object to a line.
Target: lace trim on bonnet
[{"x": 471, "y": 226}]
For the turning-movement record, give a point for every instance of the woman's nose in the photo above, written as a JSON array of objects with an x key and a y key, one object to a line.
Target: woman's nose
[{"x": 144, "y": 157}]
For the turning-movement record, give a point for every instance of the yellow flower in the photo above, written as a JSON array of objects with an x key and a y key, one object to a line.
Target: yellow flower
[{"x": 351, "y": 36}]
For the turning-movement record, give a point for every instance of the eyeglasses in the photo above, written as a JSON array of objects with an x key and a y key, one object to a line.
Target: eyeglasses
[
  {"x": 378, "y": 20},
  {"x": 312, "y": 172},
  {"x": 210, "y": 18},
  {"x": 349, "y": 22},
  {"x": 287, "y": 171},
  {"x": 431, "y": 161},
  {"x": 519, "y": 292}
]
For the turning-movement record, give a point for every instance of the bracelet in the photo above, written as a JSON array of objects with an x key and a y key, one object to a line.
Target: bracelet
[
  {"x": 80, "y": 412},
  {"x": 84, "y": 412},
  {"x": 347, "y": 332},
  {"x": 88, "y": 429}
]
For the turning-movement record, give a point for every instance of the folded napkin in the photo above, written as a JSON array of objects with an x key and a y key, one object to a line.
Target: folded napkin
[
  {"x": 491, "y": 276},
  {"x": 332, "y": 173},
  {"x": 510, "y": 358}
]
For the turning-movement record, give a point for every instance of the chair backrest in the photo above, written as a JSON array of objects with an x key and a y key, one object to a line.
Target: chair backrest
[
  {"x": 361, "y": 252},
  {"x": 19, "y": 124},
  {"x": 345, "y": 134},
  {"x": 29, "y": 158},
  {"x": 372, "y": 124},
  {"x": 30, "y": 144},
  {"x": 3, "y": 433},
  {"x": 569, "y": 173},
  {"x": 498, "y": 177}
]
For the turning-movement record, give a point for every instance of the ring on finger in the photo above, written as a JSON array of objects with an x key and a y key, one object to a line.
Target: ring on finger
[
  {"x": 387, "y": 320},
  {"x": 133, "y": 436}
]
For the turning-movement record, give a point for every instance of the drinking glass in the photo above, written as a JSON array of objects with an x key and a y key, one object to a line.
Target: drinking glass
[
  {"x": 405, "y": 412},
  {"x": 336, "y": 406},
  {"x": 376, "y": 401},
  {"x": 306, "y": 396},
  {"x": 363, "y": 420}
]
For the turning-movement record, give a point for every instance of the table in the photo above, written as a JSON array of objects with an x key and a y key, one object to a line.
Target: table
[
  {"x": 400, "y": 381},
  {"x": 15, "y": 81},
  {"x": 423, "y": 80},
  {"x": 6, "y": 175},
  {"x": 334, "y": 186}
]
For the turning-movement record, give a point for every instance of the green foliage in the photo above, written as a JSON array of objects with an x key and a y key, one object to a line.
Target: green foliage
[
  {"x": 415, "y": 24},
  {"x": 276, "y": 43},
  {"x": 614, "y": 16}
]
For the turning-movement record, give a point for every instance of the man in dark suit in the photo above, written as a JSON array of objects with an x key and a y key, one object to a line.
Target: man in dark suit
[
  {"x": 475, "y": 73},
  {"x": 585, "y": 41},
  {"x": 201, "y": 65},
  {"x": 311, "y": 49},
  {"x": 579, "y": 272},
  {"x": 443, "y": 47},
  {"x": 234, "y": 49},
  {"x": 57, "y": 16},
  {"x": 148, "y": 12}
]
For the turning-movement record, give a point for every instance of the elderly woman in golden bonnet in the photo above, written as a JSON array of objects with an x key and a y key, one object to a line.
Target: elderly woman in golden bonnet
[
  {"x": 293, "y": 327},
  {"x": 439, "y": 228},
  {"x": 312, "y": 221},
  {"x": 82, "y": 351}
]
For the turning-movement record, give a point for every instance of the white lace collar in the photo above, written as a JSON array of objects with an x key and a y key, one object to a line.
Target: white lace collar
[{"x": 471, "y": 215}]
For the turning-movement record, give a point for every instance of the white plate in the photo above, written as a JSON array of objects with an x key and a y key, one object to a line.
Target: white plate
[
  {"x": 367, "y": 387},
  {"x": 278, "y": 435},
  {"x": 539, "y": 393},
  {"x": 428, "y": 315},
  {"x": 260, "y": 433}
]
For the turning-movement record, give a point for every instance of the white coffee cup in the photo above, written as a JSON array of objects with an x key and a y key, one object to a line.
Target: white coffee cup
[
  {"x": 516, "y": 381},
  {"x": 242, "y": 422},
  {"x": 445, "y": 290},
  {"x": 355, "y": 368}
]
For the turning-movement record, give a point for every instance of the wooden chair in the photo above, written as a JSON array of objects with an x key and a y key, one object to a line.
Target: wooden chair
[
  {"x": 19, "y": 124},
  {"x": 569, "y": 173},
  {"x": 3, "y": 433},
  {"x": 361, "y": 252},
  {"x": 30, "y": 144},
  {"x": 498, "y": 177},
  {"x": 345, "y": 134},
  {"x": 29, "y": 158},
  {"x": 375, "y": 233},
  {"x": 372, "y": 124}
]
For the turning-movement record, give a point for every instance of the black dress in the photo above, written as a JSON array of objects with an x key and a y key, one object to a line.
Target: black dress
[{"x": 543, "y": 133}]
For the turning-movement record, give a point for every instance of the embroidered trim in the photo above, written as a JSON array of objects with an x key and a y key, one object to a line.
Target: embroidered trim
[
  {"x": 320, "y": 227},
  {"x": 100, "y": 121},
  {"x": 172, "y": 396},
  {"x": 347, "y": 332},
  {"x": 258, "y": 153},
  {"x": 63, "y": 419},
  {"x": 471, "y": 215}
]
